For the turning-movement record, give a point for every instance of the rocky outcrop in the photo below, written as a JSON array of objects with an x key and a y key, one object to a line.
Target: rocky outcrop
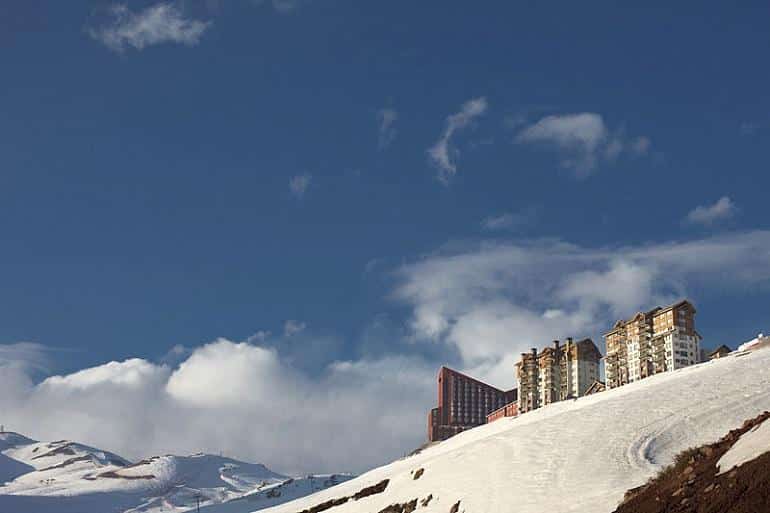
[{"x": 692, "y": 484}]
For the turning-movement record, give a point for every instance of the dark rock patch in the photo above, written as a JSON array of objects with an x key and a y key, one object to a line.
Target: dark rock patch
[
  {"x": 418, "y": 473},
  {"x": 406, "y": 507},
  {"x": 371, "y": 490},
  {"x": 363, "y": 492},
  {"x": 67, "y": 462},
  {"x": 691, "y": 483},
  {"x": 114, "y": 475},
  {"x": 63, "y": 449}
]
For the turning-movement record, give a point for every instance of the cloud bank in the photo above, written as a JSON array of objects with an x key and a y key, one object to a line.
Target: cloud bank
[
  {"x": 492, "y": 301},
  {"x": 300, "y": 403},
  {"x": 238, "y": 398}
]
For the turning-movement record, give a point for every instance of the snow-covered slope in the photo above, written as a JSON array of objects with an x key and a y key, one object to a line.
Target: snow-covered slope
[
  {"x": 574, "y": 456},
  {"x": 43, "y": 476}
]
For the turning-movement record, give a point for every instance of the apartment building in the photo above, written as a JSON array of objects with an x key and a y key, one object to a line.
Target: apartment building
[
  {"x": 556, "y": 373},
  {"x": 463, "y": 403},
  {"x": 651, "y": 342}
]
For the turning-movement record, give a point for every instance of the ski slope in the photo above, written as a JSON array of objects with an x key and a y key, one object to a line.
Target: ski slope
[
  {"x": 574, "y": 456},
  {"x": 64, "y": 476}
]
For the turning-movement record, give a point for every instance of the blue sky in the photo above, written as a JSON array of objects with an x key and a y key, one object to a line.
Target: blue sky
[{"x": 390, "y": 177}]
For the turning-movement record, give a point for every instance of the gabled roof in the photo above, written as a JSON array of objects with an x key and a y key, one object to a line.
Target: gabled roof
[{"x": 721, "y": 349}]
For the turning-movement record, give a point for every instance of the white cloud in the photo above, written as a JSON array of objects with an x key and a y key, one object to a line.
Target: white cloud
[
  {"x": 134, "y": 372},
  {"x": 239, "y": 398},
  {"x": 442, "y": 153},
  {"x": 386, "y": 118},
  {"x": 298, "y": 184},
  {"x": 160, "y": 23},
  {"x": 494, "y": 301},
  {"x": 28, "y": 356},
  {"x": 221, "y": 374},
  {"x": 583, "y": 140},
  {"x": 292, "y": 327},
  {"x": 707, "y": 215}
]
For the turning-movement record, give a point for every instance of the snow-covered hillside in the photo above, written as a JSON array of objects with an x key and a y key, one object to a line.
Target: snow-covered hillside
[
  {"x": 575, "y": 456},
  {"x": 65, "y": 476}
]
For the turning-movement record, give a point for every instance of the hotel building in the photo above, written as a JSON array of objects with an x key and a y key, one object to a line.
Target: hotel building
[
  {"x": 463, "y": 403},
  {"x": 556, "y": 373},
  {"x": 648, "y": 343}
]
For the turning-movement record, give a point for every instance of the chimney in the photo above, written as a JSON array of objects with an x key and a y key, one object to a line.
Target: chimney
[
  {"x": 556, "y": 344},
  {"x": 569, "y": 341},
  {"x": 534, "y": 351}
]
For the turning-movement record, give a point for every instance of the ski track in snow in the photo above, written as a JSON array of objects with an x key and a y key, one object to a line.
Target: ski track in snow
[{"x": 576, "y": 456}]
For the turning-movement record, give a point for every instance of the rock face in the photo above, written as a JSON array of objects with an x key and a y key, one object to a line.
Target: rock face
[{"x": 694, "y": 483}]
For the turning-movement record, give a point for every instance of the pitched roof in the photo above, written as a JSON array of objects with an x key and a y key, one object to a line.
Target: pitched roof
[{"x": 721, "y": 349}]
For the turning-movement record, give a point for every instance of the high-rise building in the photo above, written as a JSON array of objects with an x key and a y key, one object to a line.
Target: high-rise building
[
  {"x": 556, "y": 373},
  {"x": 648, "y": 343},
  {"x": 463, "y": 403}
]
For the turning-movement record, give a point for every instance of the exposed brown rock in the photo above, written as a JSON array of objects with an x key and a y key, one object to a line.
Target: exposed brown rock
[
  {"x": 418, "y": 473},
  {"x": 67, "y": 462},
  {"x": 326, "y": 505},
  {"x": 364, "y": 492},
  {"x": 424, "y": 503},
  {"x": 455, "y": 507},
  {"x": 691, "y": 484},
  {"x": 406, "y": 507},
  {"x": 372, "y": 490}
]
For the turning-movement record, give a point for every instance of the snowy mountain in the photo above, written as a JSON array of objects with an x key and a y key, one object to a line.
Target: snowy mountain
[
  {"x": 576, "y": 456},
  {"x": 64, "y": 476}
]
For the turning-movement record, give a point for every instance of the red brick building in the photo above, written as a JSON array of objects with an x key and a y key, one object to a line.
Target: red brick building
[
  {"x": 463, "y": 403},
  {"x": 509, "y": 410}
]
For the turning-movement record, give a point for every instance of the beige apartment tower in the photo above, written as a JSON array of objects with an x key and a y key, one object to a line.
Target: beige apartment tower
[
  {"x": 648, "y": 343},
  {"x": 556, "y": 373}
]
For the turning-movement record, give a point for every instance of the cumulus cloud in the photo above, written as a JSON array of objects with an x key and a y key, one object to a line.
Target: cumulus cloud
[
  {"x": 298, "y": 184},
  {"x": 708, "y": 215},
  {"x": 157, "y": 24},
  {"x": 583, "y": 140},
  {"x": 236, "y": 397},
  {"x": 131, "y": 373},
  {"x": 386, "y": 119},
  {"x": 442, "y": 153}
]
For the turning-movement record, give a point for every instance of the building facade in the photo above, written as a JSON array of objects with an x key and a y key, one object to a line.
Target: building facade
[
  {"x": 509, "y": 410},
  {"x": 660, "y": 340},
  {"x": 556, "y": 373},
  {"x": 463, "y": 403}
]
